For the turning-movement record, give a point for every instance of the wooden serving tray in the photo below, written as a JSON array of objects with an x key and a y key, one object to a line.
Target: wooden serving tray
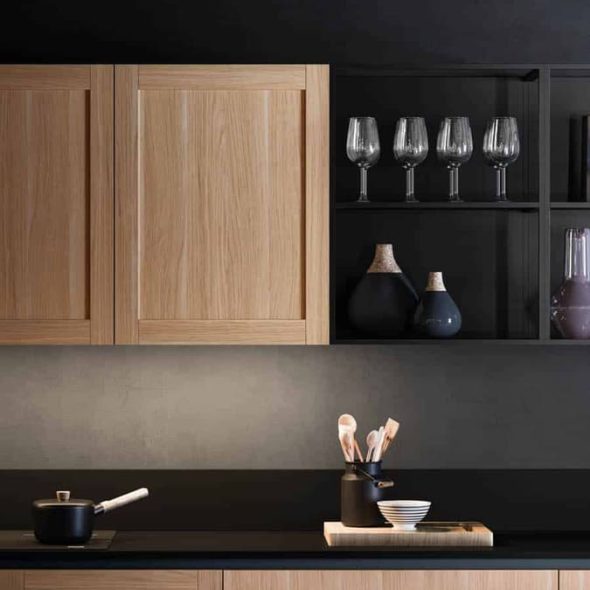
[{"x": 427, "y": 534}]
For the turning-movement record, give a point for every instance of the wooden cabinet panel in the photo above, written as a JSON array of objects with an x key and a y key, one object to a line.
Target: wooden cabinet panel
[
  {"x": 56, "y": 199},
  {"x": 222, "y": 204},
  {"x": 221, "y": 184},
  {"x": 391, "y": 580},
  {"x": 12, "y": 579},
  {"x": 574, "y": 580},
  {"x": 122, "y": 580}
]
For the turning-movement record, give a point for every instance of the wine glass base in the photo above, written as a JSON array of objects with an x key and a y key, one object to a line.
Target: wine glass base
[
  {"x": 455, "y": 200},
  {"x": 362, "y": 200},
  {"x": 501, "y": 199},
  {"x": 411, "y": 199}
]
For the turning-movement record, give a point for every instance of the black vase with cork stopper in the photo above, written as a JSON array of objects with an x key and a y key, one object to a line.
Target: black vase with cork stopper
[{"x": 384, "y": 301}]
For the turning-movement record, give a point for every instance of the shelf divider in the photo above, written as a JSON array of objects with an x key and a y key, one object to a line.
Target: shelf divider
[{"x": 544, "y": 202}]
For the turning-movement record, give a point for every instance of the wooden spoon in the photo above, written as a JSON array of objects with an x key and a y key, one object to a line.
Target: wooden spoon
[
  {"x": 348, "y": 422},
  {"x": 346, "y": 443},
  {"x": 371, "y": 442}
]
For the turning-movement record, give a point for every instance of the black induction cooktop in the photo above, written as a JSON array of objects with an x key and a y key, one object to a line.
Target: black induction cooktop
[{"x": 25, "y": 541}]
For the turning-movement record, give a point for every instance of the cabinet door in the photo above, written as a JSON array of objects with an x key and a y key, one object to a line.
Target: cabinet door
[
  {"x": 391, "y": 580},
  {"x": 122, "y": 580},
  {"x": 574, "y": 580},
  {"x": 12, "y": 580},
  {"x": 221, "y": 204},
  {"x": 56, "y": 204}
]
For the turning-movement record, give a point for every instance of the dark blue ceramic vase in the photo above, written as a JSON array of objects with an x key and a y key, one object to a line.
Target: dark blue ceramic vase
[
  {"x": 437, "y": 315},
  {"x": 384, "y": 301}
]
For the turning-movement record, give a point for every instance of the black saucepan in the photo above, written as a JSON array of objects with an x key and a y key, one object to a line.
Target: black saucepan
[{"x": 65, "y": 521}]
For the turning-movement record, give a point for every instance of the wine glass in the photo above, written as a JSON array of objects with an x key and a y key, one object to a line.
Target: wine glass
[
  {"x": 501, "y": 147},
  {"x": 362, "y": 148},
  {"x": 454, "y": 146},
  {"x": 410, "y": 147}
]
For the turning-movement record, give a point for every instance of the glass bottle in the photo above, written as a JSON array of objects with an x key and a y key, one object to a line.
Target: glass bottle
[{"x": 570, "y": 304}]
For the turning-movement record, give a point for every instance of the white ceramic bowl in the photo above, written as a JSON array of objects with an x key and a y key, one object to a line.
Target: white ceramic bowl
[{"x": 404, "y": 514}]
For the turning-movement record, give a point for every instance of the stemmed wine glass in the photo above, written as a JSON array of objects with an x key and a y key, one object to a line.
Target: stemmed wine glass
[
  {"x": 454, "y": 146},
  {"x": 362, "y": 148},
  {"x": 501, "y": 147},
  {"x": 410, "y": 147}
]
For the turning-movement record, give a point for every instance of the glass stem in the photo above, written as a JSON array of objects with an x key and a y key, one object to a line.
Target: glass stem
[
  {"x": 451, "y": 184},
  {"x": 501, "y": 181},
  {"x": 410, "y": 185},
  {"x": 363, "y": 196},
  {"x": 454, "y": 184}
]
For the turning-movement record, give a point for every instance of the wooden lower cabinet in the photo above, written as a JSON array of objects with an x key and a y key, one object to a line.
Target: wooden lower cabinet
[
  {"x": 111, "y": 580},
  {"x": 392, "y": 580},
  {"x": 292, "y": 580},
  {"x": 574, "y": 580}
]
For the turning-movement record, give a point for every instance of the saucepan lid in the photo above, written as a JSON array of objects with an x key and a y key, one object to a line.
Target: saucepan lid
[{"x": 63, "y": 501}]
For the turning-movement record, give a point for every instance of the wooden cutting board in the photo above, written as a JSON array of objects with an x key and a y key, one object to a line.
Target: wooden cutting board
[{"x": 427, "y": 534}]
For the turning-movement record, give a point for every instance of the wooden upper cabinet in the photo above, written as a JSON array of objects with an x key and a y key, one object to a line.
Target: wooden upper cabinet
[
  {"x": 221, "y": 204},
  {"x": 392, "y": 580},
  {"x": 56, "y": 204}
]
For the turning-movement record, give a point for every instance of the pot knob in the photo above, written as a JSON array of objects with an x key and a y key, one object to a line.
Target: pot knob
[{"x": 63, "y": 495}]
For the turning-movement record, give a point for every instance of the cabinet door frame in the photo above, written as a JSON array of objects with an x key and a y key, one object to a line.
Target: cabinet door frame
[
  {"x": 314, "y": 328},
  {"x": 130, "y": 579},
  {"x": 98, "y": 328}
]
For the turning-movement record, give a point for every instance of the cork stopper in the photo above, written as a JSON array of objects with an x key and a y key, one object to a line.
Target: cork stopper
[
  {"x": 435, "y": 282},
  {"x": 384, "y": 260}
]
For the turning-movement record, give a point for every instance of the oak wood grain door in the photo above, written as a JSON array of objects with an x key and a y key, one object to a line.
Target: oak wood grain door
[
  {"x": 221, "y": 204},
  {"x": 12, "y": 579},
  {"x": 121, "y": 580},
  {"x": 574, "y": 580},
  {"x": 56, "y": 204},
  {"x": 392, "y": 580}
]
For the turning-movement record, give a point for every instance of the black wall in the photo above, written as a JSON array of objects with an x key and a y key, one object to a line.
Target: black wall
[
  {"x": 526, "y": 406},
  {"x": 296, "y": 31}
]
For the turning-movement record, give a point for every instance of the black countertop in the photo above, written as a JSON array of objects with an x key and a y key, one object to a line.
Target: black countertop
[{"x": 304, "y": 550}]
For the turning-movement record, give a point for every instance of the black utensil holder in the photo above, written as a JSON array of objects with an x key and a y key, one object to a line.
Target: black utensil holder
[{"x": 362, "y": 486}]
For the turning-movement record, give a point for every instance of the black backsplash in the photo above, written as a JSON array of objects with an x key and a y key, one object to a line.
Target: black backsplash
[{"x": 505, "y": 500}]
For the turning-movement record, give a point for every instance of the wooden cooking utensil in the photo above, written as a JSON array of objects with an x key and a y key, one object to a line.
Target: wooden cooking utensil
[
  {"x": 377, "y": 453},
  {"x": 391, "y": 428},
  {"x": 371, "y": 442},
  {"x": 346, "y": 443},
  {"x": 347, "y": 421}
]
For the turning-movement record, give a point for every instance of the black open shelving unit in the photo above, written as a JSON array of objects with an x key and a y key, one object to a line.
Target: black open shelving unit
[{"x": 501, "y": 261}]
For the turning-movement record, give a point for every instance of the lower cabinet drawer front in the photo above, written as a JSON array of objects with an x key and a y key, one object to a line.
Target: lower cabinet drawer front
[
  {"x": 392, "y": 580},
  {"x": 574, "y": 580},
  {"x": 122, "y": 580}
]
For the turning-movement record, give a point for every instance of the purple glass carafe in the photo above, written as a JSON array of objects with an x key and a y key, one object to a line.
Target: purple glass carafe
[{"x": 570, "y": 304}]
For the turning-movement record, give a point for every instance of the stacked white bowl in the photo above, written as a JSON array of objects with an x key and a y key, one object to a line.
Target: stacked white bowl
[{"x": 404, "y": 514}]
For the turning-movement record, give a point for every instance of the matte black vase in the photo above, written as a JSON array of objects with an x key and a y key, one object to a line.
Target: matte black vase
[
  {"x": 384, "y": 301},
  {"x": 437, "y": 315}
]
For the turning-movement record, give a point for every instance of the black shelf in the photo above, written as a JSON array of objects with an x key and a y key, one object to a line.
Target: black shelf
[
  {"x": 522, "y": 248},
  {"x": 456, "y": 341},
  {"x": 570, "y": 205},
  {"x": 491, "y": 205},
  {"x": 523, "y": 72}
]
